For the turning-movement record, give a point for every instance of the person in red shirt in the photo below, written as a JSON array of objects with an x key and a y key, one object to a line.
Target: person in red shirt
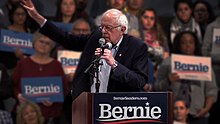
[{"x": 40, "y": 64}]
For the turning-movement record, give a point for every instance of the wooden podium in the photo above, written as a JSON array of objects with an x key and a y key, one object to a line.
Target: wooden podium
[
  {"x": 82, "y": 109},
  {"x": 86, "y": 106}
]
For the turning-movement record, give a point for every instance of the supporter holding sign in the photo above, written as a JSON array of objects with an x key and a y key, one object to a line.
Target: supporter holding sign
[
  {"x": 41, "y": 65},
  {"x": 42, "y": 88},
  {"x": 198, "y": 68},
  {"x": 69, "y": 60},
  {"x": 198, "y": 94},
  {"x": 17, "y": 37},
  {"x": 11, "y": 40}
]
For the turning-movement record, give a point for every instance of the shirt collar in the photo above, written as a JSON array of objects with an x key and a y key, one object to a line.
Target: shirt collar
[{"x": 119, "y": 42}]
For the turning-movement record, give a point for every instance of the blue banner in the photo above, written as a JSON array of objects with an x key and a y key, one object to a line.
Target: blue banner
[
  {"x": 64, "y": 26},
  {"x": 37, "y": 89},
  {"x": 10, "y": 40},
  {"x": 134, "y": 108}
]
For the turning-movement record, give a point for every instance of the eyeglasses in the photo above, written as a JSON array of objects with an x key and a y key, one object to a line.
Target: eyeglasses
[
  {"x": 47, "y": 43},
  {"x": 81, "y": 31},
  {"x": 108, "y": 27}
]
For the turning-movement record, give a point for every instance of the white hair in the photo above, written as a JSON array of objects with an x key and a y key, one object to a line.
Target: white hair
[{"x": 119, "y": 17}]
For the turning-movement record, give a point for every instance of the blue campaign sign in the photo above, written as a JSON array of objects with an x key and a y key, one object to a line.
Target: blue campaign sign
[
  {"x": 37, "y": 89},
  {"x": 64, "y": 26},
  {"x": 10, "y": 40},
  {"x": 135, "y": 108}
]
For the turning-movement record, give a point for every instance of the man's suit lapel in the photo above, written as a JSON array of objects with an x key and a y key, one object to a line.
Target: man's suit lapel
[{"x": 123, "y": 47}]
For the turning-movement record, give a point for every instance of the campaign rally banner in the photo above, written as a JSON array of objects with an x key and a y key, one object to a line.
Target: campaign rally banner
[
  {"x": 131, "y": 108},
  {"x": 38, "y": 89},
  {"x": 69, "y": 60},
  {"x": 191, "y": 67},
  {"x": 216, "y": 41},
  {"x": 64, "y": 26},
  {"x": 10, "y": 40}
]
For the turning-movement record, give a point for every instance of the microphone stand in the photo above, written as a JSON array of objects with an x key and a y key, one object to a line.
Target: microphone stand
[{"x": 95, "y": 64}]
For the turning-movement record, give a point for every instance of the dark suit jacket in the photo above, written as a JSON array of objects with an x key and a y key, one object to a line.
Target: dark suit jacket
[
  {"x": 132, "y": 57},
  {"x": 5, "y": 86}
]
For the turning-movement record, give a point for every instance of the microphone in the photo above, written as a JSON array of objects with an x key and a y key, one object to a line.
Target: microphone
[
  {"x": 104, "y": 45},
  {"x": 108, "y": 45},
  {"x": 158, "y": 52},
  {"x": 101, "y": 42}
]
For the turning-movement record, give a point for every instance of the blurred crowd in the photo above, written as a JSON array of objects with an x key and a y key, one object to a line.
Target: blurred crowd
[{"x": 190, "y": 32}]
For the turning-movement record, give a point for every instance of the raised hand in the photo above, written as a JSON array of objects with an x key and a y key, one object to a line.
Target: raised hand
[
  {"x": 21, "y": 99},
  {"x": 29, "y": 6}
]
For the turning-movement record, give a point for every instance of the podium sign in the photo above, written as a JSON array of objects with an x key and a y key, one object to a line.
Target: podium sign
[
  {"x": 135, "y": 108},
  {"x": 122, "y": 108}
]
